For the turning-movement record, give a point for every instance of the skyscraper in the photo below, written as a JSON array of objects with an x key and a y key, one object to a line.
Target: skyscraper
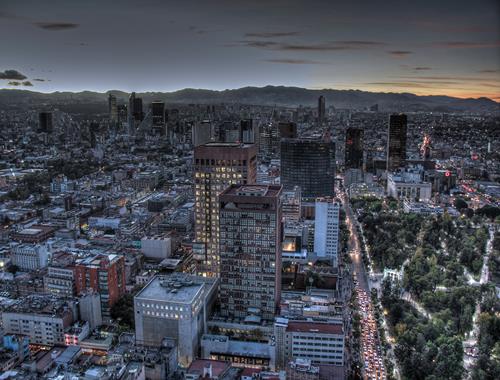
[
  {"x": 248, "y": 132},
  {"x": 112, "y": 108},
  {"x": 309, "y": 164},
  {"x": 135, "y": 114},
  {"x": 287, "y": 130},
  {"x": 321, "y": 109},
  {"x": 158, "y": 113},
  {"x": 45, "y": 122},
  {"x": 354, "y": 148},
  {"x": 326, "y": 228},
  {"x": 250, "y": 251},
  {"x": 216, "y": 166},
  {"x": 396, "y": 142}
]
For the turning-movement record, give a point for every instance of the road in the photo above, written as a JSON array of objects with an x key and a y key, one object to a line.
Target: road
[{"x": 371, "y": 349}]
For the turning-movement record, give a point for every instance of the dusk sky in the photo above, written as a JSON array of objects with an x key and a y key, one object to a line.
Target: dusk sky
[{"x": 425, "y": 46}]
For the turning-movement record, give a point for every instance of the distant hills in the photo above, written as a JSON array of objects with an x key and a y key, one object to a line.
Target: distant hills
[{"x": 269, "y": 95}]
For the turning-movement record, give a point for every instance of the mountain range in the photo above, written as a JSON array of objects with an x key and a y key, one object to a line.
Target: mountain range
[{"x": 269, "y": 95}]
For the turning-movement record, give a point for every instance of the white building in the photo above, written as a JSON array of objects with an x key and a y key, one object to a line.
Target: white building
[
  {"x": 408, "y": 185},
  {"x": 319, "y": 342},
  {"x": 174, "y": 307},
  {"x": 30, "y": 256},
  {"x": 156, "y": 247},
  {"x": 90, "y": 309},
  {"x": 326, "y": 228}
]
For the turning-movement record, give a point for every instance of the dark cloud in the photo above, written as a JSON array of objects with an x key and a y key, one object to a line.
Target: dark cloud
[
  {"x": 39, "y": 80},
  {"x": 488, "y": 71},
  {"x": 27, "y": 83},
  {"x": 399, "y": 53},
  {"x": 12, "y": 74},
  {"x": 271, "y": 34},
  {"x": 422, "y": 68},
  {"x": 14, "y": 83},
  {"x": 54, "y": 26},
  {"x": 294, "y": 61},
  {"x": 328, "y": 46},
  {"x": 444, "y": 78},
  {"x": 400, "y": 84},
  {"x": 467, "y": 45}
]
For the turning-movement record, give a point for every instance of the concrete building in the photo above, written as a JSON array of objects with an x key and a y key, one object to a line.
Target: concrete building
[
  {"x": 319, "y": 342},
  {"x": 30, "y": 257},
  {"x": 174, "y": 307},
  {"x": 326, "y": 229},
  {"x": 60, "y": 281},
  {"x": 216, "y": 166},
  {"x": 157, "y": 248},
  {"x": 89, "y": 306},
  {"x": 250, "y": 250},
  {"x": 408, "y": 185},
  {"x": 43, "y": 319},
  {"x": 291, "y": 205}
]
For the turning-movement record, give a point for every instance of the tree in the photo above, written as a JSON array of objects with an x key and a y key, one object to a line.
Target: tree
[{"x": 460, "y": 204}]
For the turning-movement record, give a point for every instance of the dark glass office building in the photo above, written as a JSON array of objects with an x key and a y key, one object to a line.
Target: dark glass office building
[
  {"x": 309, "y": 164},
  {"x": 45, "y": 122},
  {"x": 396, "y": 142},
  {"x": 354, "y": 148}
]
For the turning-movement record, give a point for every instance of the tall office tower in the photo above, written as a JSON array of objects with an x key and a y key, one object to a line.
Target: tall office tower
[
  {"x": 135, "y": 114},
  {"x": 112, "y": 108},
  {"x": 396, "y": 142},
  {"x": 309, "y": 164},
  {"x": 216, "y": 166},
  {"x": 321, "y": 110},
  {"x": 269, "y": 141},
  {"x": 104, "y": 274},
  {"x": 131, "y": 119},
  {"x": 202, "y": 132},
  {"x": 122, "y": 113},
  {"x": 287, "y": 130},
  {"x": 250, "y": 251},
  {"x": 354, "y": 148},
  {"x": 45, "y": 122},
  {"x": 248, "y": 132},
  {"x": 158, "y": 113},
  {"x": 228, "y": 132},
  {"x": 326, "y": 229}
]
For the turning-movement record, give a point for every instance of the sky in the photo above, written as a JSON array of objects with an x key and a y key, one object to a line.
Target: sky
[{"x": 442, "y": 47}]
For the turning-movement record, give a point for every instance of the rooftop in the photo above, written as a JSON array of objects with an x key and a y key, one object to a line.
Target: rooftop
[
  {"x": 176, "y": 287},
  {"x": 314, "y": 327}
]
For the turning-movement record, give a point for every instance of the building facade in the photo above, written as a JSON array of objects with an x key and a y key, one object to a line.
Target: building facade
[
  {"x": 354, "y": 148},
  {"x": 309, "y": 164},
  {"x": 217, "y": 165},
  {"x": 250, "y": 251},
  {"x": 396, "y": 142},
  {"x": 326, "y": 229}
]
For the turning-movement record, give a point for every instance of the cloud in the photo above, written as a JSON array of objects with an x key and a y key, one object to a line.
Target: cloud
[
  {"x": 467, "y": 45},
  {"x": 488, "y": 71},
  {"x": 270, "y": 34},
  {"x": 327, "y": 46},
  {"x": 446, "y": 78},
  {"x": 12, "y": 74},
  {"x": 422, "y": 68},
  {"x": 14, "y": 83},
  {"x": 39, "y": 80},
  {"x": 294, "y": 61},
  {"x": 27, "y": 83},
  {"x": 54, "y": 26},
  {"x": 399, "y": 84},
  {"x": 399, "y": 53}
]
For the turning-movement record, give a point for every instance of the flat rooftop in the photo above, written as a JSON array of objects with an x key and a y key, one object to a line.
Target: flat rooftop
[
  {"x": 314, "y": 327},
  {"x": 268, "y": 191},
  {"x": 176, "y": 287}
]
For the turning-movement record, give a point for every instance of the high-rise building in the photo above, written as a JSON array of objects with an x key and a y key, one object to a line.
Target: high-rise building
[
  {"x": 309, "y": 164},
  {"x": 248, "y": 132},
  {"x": 269, "y": 141},
  {"x": 321, "y": 109},
  {"x": 104, "y": 274},
  {"x": 158, "y": 113},
  {"x": 135, "y": 114},
  {"x": 287, "y": 130},
  {"x": 396, "y": 142},
  {"x": 250, "y": 251},
  {"x": 112, "y": 108},
  {"x": 202, "y": 132},
  {"x": 326, "y": 229},
  {"x": 45, "y": 122},
  {"x": 174, "y": 307},
  {"x": 216, "y": 166},
  {"x": 354, "y": 148}
]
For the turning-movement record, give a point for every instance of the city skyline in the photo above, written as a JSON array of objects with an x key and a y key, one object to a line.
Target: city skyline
[{"x": 449, "y": 48}]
